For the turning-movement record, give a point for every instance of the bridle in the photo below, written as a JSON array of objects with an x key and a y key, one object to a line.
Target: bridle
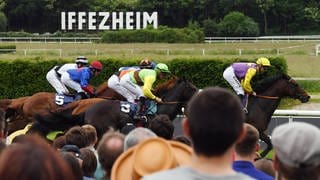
[{"x": 267, "y": 97}]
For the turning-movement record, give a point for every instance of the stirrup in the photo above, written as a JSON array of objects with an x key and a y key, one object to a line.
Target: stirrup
[{"x": 245, "y": 110}]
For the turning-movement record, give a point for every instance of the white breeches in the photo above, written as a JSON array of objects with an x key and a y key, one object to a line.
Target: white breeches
[
  {"x": 134, "y": 91},
  {"x": 65, "y": 79},
  {"x": 114, "y": 83},
  {"x": 231, "y": 78},
  {"x": 55, "y": 82}
]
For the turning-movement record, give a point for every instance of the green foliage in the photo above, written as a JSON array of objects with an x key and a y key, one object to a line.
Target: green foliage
[
  {"x": 3, "y": 22},
  {"x": 210, "y": 27},
  {"x": 237, "y": 24},
  {"x": 25, "y": 77},
  {"x": 163, "y": 34}
]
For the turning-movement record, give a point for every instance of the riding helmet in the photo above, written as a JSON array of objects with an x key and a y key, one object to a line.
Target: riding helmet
[
  {"x": 96, "y": 65},
  {"x": 162, "y": 68},
  {"x": 263, "y": 61}
]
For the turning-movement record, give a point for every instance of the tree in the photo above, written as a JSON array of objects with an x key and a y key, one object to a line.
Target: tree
[
  {"x": 237, "y": 24},
  {"x": 3, "y": 22},
  {"x": 171, "y": 13},
  {"x": 264, "y": 6},
  {"x": 312, "y": 13},
  {"x": 29, "y": 15}
]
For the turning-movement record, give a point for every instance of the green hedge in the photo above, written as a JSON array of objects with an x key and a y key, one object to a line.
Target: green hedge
[
  {"x": 25, "y": 77},
  {"x": 7, "y": 48},
  {"x": 162, "y": 34}
]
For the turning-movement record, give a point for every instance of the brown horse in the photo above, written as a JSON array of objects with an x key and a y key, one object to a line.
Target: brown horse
[
  {"x": 21, "y": 111},
  {"x": 111, "y": 113}
]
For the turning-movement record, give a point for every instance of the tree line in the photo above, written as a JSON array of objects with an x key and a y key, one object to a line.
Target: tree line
[{"x": 214, "y": 17}]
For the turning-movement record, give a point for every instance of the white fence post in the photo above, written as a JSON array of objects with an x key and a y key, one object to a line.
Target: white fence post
[
  {"x": 203, "y": 52},
  {"x": 317, "y": 49}
]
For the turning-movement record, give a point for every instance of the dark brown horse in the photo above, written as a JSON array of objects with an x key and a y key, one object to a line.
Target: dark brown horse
[
  {"x": 108, "y": 113},
  {"x": 19, "y": 112},
  {"x": 262, "y": 106}
]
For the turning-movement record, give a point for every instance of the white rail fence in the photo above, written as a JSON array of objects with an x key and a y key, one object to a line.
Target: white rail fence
[
  {"x": 206, "y": 39},
  {"x": 291, "y": 114},
  {"x": 317, "y": 49},
  {"x": 50, "y": 39},
  {"x": 262, "y": 38},
  {"x": 202, "y": 52}
]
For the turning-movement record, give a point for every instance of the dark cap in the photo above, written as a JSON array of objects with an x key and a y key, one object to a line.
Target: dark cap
[{"x": 71, "y": 148}]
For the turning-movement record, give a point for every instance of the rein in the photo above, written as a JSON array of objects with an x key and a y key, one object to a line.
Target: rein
[
  {"x": 266, "y": 97},
  {"x": 172, "y": 102},
  {"x": 107, "y": 97}
]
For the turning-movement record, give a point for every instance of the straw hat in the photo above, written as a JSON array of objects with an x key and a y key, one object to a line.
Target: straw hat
[{"x": 149, "y": 156}]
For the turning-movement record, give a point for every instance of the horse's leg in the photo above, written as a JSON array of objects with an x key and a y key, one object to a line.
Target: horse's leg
[{"x": 265, "y": 138}]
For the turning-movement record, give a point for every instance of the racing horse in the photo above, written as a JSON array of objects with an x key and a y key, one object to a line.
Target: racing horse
[
  {"x": 112, "y": 113},
  {"x": 21, "y": 111},
  {"x": 269, "y": 93}
]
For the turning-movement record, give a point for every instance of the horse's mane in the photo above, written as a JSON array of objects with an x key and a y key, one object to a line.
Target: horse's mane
[
  {"x": 4, "y": 103},
  {"x": 267, "y": 82},
  {"x": 162, "y": 88}
]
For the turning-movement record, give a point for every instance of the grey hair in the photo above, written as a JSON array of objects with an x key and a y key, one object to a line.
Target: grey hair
[{"x": 137, "y": 135}]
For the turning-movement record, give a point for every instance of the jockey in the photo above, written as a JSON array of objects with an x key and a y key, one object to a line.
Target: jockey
[
  {"x": 54, "y": 75},
  {"x": 114, "y": 80},
  {"x": 239, "y": 76},
  {"x": 138, "y": 85},
  {"x": 78, "y": 79}
]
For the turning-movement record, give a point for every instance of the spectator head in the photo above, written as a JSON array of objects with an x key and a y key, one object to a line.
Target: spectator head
[
  {"x": 149, "y": 156},
  {"x": 249, "y": 145},
  {"x": 76, "y": 136},
  {"x": 73, "y": 163},
  {"x": 214, "y": 121},
  {"x": 33, "y": 158},
  {"x": 297, "y": 150},
  {"x": 109, "y": 149},
  {"x": 137, "y": 135},
  {"x": 89, "y": 162},
  {"x": 59, "y": 142},
  {"x": 162, "y": 126},
  {"x": 265, "y": 165},
  {"x": 91, "y": 134}
]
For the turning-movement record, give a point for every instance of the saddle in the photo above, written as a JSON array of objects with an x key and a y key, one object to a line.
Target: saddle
[{"x": 63, "y": 99}]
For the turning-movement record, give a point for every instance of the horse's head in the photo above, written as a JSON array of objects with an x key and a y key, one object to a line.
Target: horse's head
[
  {"x": 180, "y": 90},
  {"x": 187, "y": 89},
  {"x": 175, "y": 93},
  {"x": 293, "y": 89}
]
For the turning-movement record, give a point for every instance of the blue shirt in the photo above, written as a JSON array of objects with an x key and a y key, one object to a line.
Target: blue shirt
[
  {"x": 248, "y": 168},
  {"x": 82, "y": 75}
]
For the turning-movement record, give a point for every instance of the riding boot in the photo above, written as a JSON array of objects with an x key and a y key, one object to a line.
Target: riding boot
[
  {"x": 141, "y": 111},
  {"x": 79, "y": 96},
  {"x": 243, "y": 99}
]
